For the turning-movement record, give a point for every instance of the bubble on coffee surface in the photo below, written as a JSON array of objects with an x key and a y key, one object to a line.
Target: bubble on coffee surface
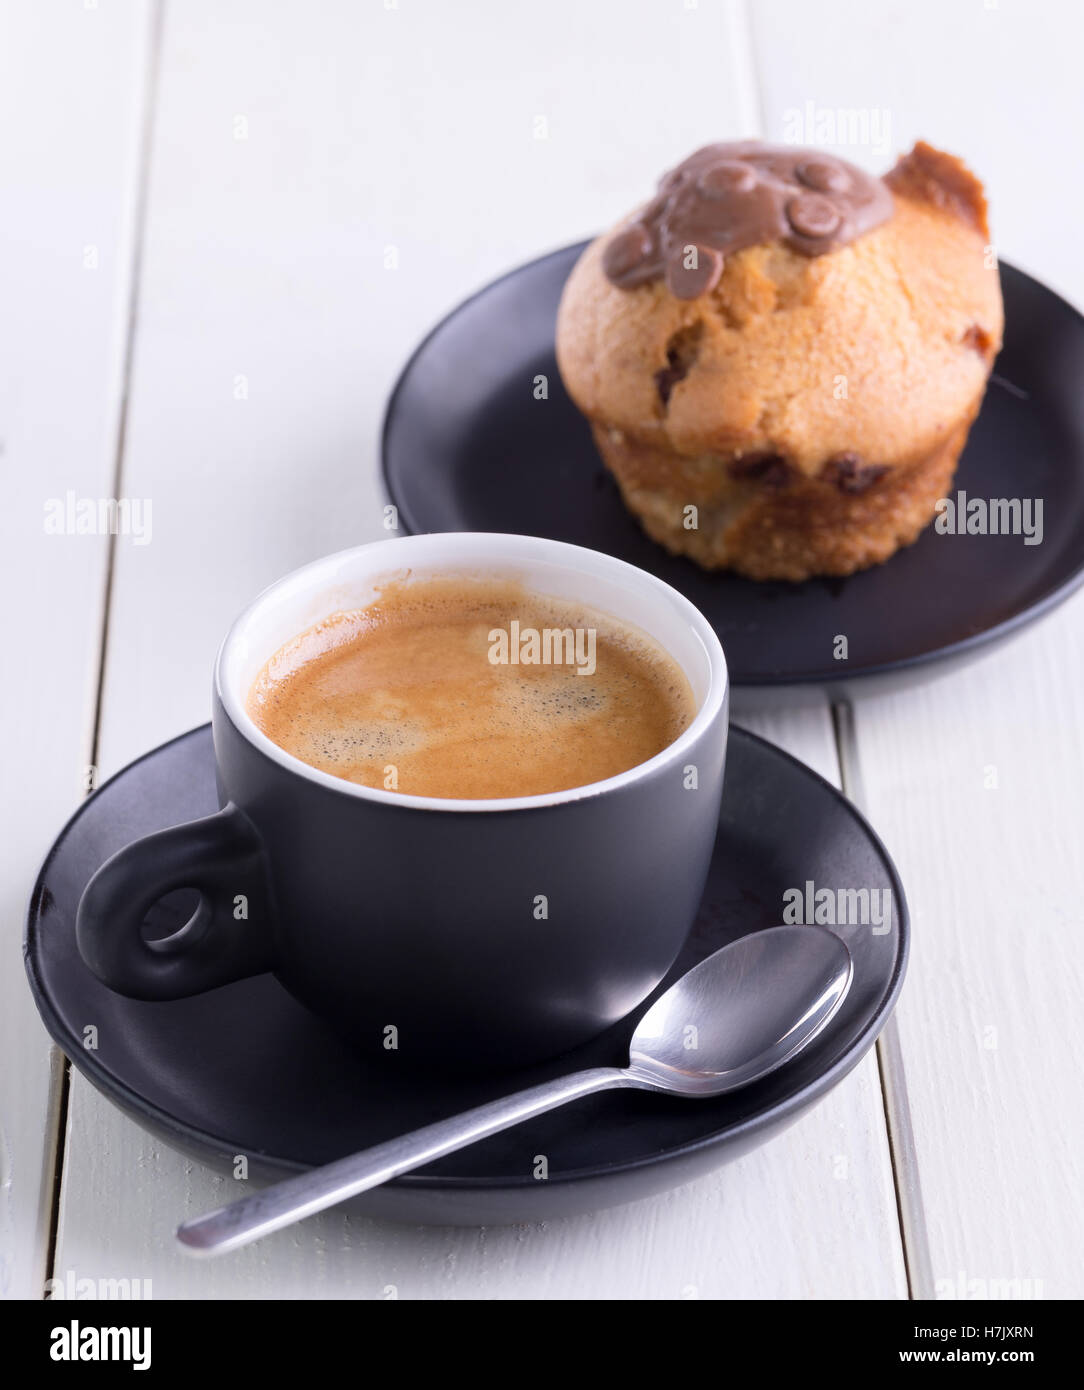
[
  {"x": 407, "y": 685},
  {"x": 352, "y": 742}
]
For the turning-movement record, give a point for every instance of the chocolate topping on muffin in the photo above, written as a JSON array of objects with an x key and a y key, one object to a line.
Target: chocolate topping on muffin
[
  {"x": 798, "y": 408},
  {"x": 729, "y": 196}
]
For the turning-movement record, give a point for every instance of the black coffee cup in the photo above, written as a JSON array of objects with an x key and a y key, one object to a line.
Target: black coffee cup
[{"x": 480, "y": 933}]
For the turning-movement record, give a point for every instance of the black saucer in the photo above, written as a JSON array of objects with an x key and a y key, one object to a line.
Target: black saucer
[
  {"x": 246, "y": 1070},
  {"x": 467, "y": 447}
]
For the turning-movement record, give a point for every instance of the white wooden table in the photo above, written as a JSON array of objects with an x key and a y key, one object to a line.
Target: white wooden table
[{"x": 198, "y": 203}]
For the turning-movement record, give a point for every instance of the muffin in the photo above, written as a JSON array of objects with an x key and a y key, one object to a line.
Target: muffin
[{"x": 781, "y": 355}]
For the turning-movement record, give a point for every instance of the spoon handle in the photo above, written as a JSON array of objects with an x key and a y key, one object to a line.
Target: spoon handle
[{"x": 283, "y": 1203}]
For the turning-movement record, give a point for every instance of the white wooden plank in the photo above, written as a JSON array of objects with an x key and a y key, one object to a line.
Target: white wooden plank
[
  {"x": 804, "y": 1217},
  {"x": 363, "y": 128},
  {"x": 975, "y": 784},
  {"x": 70, "y": 90},
  {"x": 989, "y": 1021}
]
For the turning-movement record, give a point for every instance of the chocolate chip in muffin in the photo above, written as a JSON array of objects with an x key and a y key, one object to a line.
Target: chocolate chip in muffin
[
  {"x": 628, "y": 255},
  {"x": 681, "y": 353},
  {"x": 825, "y": 175},
  {"x": 978, "y": 339},
  {"x": 762, "y": 467},
  {"x": 850, "y": 474},
  {"x": 723, "y": 179},
  {"x": 813, "y": 215}
]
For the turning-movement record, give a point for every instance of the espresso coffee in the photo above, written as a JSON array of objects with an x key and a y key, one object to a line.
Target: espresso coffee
[{"x": 471, "y": 688}]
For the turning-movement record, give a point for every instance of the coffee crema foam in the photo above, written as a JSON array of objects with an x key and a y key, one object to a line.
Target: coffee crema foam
[{"x": 415, "y": 693}]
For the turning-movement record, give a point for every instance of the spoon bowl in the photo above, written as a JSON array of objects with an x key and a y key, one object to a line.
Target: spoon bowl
[{"x": 742, "y": 1012}]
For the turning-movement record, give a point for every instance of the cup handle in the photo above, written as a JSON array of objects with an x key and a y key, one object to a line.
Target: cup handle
[{"x": 227, "y": 938}]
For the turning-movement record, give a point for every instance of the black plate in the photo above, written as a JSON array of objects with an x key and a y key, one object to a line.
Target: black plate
[
  {"x": 468, "y": 448},
  {"x": 246, "y": 1070}
]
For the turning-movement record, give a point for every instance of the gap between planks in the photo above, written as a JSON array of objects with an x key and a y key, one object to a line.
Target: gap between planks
[
  {"x": 152, "y": 66},
  {"x": 901, "y": 1138}
]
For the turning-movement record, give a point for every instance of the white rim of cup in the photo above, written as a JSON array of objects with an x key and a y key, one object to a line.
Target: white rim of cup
[{"x": 388, "y": 557}]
